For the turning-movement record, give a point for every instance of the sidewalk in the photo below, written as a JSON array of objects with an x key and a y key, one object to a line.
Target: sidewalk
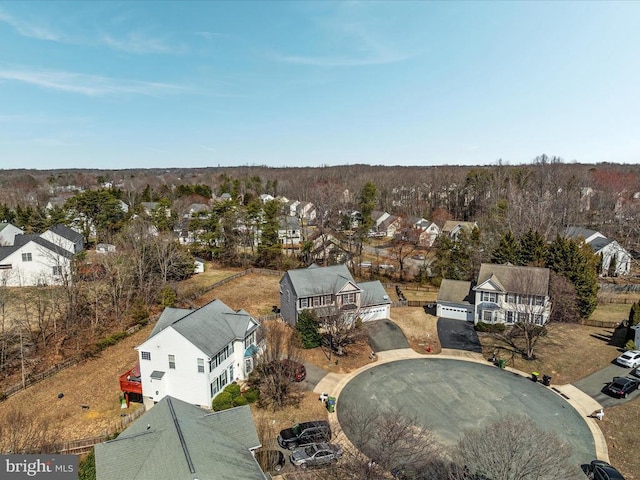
[{"x": 333, "y": 384}]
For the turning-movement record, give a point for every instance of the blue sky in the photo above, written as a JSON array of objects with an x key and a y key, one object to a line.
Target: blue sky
[{"x": 190, "y": 84}]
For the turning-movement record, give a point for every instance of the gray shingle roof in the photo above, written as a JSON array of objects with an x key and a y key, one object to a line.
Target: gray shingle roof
[
  {"x": 455, "y": 291},
  {"x": 373, "y": 293},
  {"x": 175, "y": 440},
  {"x": 578, "y": 232},
  {"x": 66, "y": 232},
  {"x": 528, "y": 280},
  {"x": 210, "y": 327},
  {"x": 319, "y": 280}
]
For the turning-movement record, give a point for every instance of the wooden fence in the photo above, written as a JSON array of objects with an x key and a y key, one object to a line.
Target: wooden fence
[
  {"x": 599, "y": 323},
  {"x": 38, "y": 377},
  {"x": 84, "y": 445}
]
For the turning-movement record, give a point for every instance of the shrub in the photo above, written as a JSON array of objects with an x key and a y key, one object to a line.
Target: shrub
[
  {"x": 140, "y": 313},
  {"x": 167, "y": 297},
  {"x": 490, "y": 327},
  {"x": 252, "y": 395},
  {"x": 630, "y": 345},
  {"x": 239, "y": 401},
  {"x": 222, "y": 401},
  {"x": 111, "y": 340},
  {"x": 233, "y": 389}
]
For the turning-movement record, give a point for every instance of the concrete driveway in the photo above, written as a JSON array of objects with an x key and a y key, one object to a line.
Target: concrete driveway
[
  {"x": 448, "y": 396},
  {"x": 385, "y": 335},
  {"x": 458, "y": 335},
  {"x": 594, "y": 383}
]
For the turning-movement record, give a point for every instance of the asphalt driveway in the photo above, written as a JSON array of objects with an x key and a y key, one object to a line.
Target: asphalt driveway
[
  {"x": 458, "y": 335},
  {"x": 449, "y": 396},
  {"x": 594, "y": 383},
  {"x": 385, "y": 335}
]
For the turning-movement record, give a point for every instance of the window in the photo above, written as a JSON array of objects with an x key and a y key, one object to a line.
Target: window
[
  {"x": 348, "y": 298},
  {"x": 508, "y": 317},
  {"x": 201, "y": 365},
  {"x": 250, "y": 340},
  {"x": 490, "y": 297},
  {"x": 511, "y": 298},
  {"x": 326, "y": 300},
  {"x": 304, "y": 303},
  {"x": 26, "y": 257},
  {"x": 317, "y": 301},
  {"x": 6, "y": 266},
  {"x": 172, "y": 361},
  {"x": 539, "y": 300},
  {"x": 221, "y": 357},
  {"x": 57, "y": 270},
  {"x": 146, "y": 355}
]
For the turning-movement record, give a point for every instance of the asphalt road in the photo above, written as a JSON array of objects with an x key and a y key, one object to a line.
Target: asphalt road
[
  {"x": 594, "y": 383},
  {"x": 385, "y": 335},
  {"x": 449, "y": 396},
  {"x": 458, "y": 335}
]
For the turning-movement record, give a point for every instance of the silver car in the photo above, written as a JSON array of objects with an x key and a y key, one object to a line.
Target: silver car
[
  {"x": 315, "y": 454},
  {"x": 629, "y": 359}
]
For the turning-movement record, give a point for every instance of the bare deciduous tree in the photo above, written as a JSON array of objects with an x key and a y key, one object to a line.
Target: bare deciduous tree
[
  {"x": 271, "y": 376},
  {"x": 382, "y": 443},
  {"x": 513, "y": 448},
  {"x": 22, "y": 433}
]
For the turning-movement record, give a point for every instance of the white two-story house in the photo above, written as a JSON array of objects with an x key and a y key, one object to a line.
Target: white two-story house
[
  {"x": 192, "y": 354},
  {"x": 330, "y": 289},
  {"x": 43, "y": 259},
  {"x": 510, "y": 294}
]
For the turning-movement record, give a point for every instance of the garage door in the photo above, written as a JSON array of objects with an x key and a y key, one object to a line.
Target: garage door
[
  {"x": 374, "y": 313},
  {"x": 455, "y": 313}
]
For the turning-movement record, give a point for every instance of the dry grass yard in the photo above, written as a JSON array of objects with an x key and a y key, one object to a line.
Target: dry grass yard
[{"x": 567, "y": 353}]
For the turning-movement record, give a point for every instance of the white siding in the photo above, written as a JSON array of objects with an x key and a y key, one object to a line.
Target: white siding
[{"x": 38, "y": 271}]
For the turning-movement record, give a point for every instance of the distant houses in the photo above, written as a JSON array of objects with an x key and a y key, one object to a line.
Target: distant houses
[
  {"x": 615, "y": 259},
  {"x": 38, "y": 259}
]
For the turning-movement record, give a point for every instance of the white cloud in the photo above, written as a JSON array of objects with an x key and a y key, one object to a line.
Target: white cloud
[
  {"x": 138, "y": 43},
  {"x": 31, "y": 30},
  {"x": 89, "y": 85},
  {"x": 361, "y": 41}
]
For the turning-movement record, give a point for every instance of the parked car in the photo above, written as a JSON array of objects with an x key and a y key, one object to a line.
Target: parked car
[
  {"x": 629, "y": 359},
  {"x": 315, "y": 454},
  {"x": 599, "y": 470},
  {"x": 295, "y": 370},
  {"x": 621, "y": 387},
  {"x": 270, "y": 460},
  {"x": 304, "y": 433}
]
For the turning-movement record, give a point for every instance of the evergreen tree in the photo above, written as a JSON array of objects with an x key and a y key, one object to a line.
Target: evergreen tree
[
  {"x": 533, "y": 249},
  {"x": 611, "y": 271},
  {"x": 578, "y": 264},
  {"x": 269, "y": 250},
  {"x": 508, "y": 251},
  {"x": 307, "y": 328}
]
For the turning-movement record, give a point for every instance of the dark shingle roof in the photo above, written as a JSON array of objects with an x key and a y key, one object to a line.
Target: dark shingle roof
[
  {"x": 175, "y": 440},
  {"x": 66, "y": 232}
]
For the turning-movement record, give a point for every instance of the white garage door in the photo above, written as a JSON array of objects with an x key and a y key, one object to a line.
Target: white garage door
[
  {"x": 456, "y": 313},
  {"x": 374, "y": 313}
]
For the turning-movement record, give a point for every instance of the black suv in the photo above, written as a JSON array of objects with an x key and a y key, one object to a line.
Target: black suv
[
  {"x": 304, "y": 433},
  {"x": 599, "y": 470}
]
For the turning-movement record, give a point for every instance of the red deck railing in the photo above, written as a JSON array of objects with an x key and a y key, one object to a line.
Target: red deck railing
[{"x": 130, "y": 381}]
